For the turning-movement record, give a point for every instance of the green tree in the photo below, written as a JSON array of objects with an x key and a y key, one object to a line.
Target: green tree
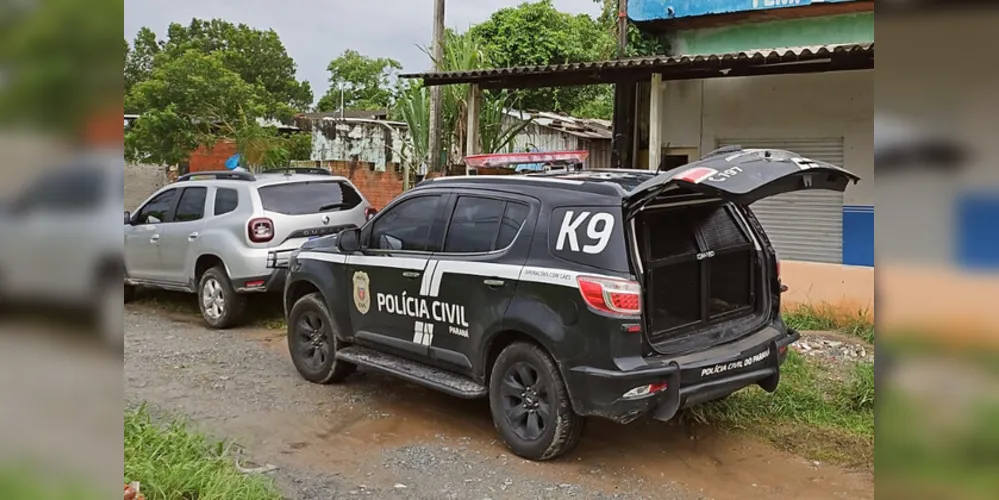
[
  {"x": 189, "y": 101},
  {"x": 139, "y": 58},
  {"x": 640, "y": 43},
  {"x": 257, "y": 56},
  {"x": 538, "y": 34},
  {"x": 365, "y": 82},
  {"x": 462, "y": 52}
]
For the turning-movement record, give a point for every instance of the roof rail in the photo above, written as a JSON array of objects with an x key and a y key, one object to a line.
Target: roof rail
[
  {"x": 218, "y": 175},
  {"x": 298, "y": 170}
]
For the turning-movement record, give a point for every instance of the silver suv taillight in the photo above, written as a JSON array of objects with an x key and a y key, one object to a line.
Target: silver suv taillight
[{"x": 260, "y": 230}]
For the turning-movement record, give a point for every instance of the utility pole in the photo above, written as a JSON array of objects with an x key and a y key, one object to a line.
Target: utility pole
[
  {"x": 435, "y": 91},
  {"x": 623, "y": 138},
  {"x": 622, "y": 28}
]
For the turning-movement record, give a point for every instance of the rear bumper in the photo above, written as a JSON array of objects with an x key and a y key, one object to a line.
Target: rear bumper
[
  {"x": 690, "y": 379},
  {"x": 273, "y": 282}
]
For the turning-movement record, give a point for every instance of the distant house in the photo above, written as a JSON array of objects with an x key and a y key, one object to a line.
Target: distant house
[
  {"x": 380, "y": 114},
  {"x": 557, "y": 132}
]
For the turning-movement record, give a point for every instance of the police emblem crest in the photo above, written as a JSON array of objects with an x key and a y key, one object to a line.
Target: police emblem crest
[{"x": 362, "y": 292}]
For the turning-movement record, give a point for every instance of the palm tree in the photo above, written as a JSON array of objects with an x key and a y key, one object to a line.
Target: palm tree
[{"x": 462, "y": 52}]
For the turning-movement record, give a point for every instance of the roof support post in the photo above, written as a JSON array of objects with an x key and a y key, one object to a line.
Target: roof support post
[
  {"x": 623, "y": 141},
  {"x": 474, "y": 107},
  {"x": 655, "y": 121}
]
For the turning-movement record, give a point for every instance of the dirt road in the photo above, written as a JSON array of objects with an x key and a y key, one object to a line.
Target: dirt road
[{"x": 376, "y": 437}]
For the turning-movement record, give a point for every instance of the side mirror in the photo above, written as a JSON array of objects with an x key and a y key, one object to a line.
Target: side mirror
[
  {"x": 128, "y": 218},
  {"x": 349, "y": 240}
]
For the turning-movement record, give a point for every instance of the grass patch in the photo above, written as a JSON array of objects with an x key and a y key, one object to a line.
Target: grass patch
[
  {"x": 809, "y": 414},
  {"x": 172, "y": 462},
  {"x": 811, "y": 317},
  {"x": 263, "y": 310}
]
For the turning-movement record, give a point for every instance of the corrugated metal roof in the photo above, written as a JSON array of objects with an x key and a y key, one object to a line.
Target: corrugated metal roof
[
  {"x": 772, "y": 56},
  {"x": 586, "y": 128}
]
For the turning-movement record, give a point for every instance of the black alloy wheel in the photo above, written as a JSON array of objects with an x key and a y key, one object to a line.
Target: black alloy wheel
[
  {"x": 312, "y": 342},
  {"x": 527, "y": 401}
]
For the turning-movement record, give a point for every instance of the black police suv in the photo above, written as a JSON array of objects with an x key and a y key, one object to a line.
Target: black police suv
[{"x": 558, "y": 296}]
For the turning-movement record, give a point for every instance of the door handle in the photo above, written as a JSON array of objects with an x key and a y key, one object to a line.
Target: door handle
[
  {"x": 155, "y": 238},
  {"x": 491, "y": 283},
  {"x": 193, "y": 236},
  {"x": 411, "y": 275}
]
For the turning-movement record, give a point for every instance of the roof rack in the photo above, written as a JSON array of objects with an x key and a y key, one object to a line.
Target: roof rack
[
  {"x": 298, "y": 170},
  {"x": 218, "y": 175}
]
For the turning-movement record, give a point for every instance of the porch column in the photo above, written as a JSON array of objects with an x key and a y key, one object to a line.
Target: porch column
[
  {"x": 655, "y": 121},
  {"x": 474, "y": 106}
]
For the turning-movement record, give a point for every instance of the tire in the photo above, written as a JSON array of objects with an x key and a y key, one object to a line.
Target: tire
[
  {"x": 220, "y": 305},
  {"x": 524, "y": 382},
  {"x": 313, "y": 343},
  {"x": 130, "y": 293}
]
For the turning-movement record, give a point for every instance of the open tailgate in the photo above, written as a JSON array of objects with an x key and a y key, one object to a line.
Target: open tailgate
[{"x": 741, "y": 176}]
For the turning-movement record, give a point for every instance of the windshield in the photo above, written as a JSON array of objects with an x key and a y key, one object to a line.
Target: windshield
[{"x": 299, "y": 198}]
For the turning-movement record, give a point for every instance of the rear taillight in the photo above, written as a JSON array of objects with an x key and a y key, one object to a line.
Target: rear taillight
[
  {"x": 611, "y": 295},
  {"x": 260, "y": 230},
  {"x": 645, "y": 390},
  {"x": 369, "y": 213}
]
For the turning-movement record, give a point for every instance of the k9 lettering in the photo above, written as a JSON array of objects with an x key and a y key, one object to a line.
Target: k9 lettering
[
  {"x": 735, "y": 365},
  {"x": 416, "y": 307},
  {"x": 600, "y": 229}
]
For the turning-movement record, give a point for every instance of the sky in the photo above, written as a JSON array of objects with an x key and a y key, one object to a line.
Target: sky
[{"x": 317, "y": 31}]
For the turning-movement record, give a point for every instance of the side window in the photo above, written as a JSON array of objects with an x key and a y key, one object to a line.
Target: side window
[
  {"x": 158, "y": 209},
  {"x": 226, "y": 200},
  {"x": 483, "y": 225},
  {"x": 192, "y": 204},
  {"x": 405, "y": 226},
  {"x": 513, "y": 219}
]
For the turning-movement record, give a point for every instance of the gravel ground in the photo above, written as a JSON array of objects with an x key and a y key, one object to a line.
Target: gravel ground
[{"x": 374, "y": 437}]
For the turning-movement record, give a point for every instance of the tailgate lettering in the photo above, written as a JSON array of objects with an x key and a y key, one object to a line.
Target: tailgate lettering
[{"x": 735, "y": 365}]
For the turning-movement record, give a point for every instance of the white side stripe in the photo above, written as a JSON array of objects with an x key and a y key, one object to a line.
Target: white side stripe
[
  {"x": 434, "y": 270},
  {"x": 428, "y": 277},
  {"x": 335, "y": 258},
  {"x": 484, "y": 269},
  {"x": 416, "y": 264}
]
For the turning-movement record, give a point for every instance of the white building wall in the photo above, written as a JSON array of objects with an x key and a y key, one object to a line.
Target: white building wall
[
  {"x": 696, "y": 113},
  {"x": 372, "y": 141}
]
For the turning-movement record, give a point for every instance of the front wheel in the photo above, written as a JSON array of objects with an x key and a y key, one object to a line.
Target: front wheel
[
  {"x": 530, "y": 404},
  {"x": 313, "y": 343}
]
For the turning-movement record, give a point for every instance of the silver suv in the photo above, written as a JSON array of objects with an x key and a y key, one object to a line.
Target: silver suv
[{"x": 226, "y": 234}]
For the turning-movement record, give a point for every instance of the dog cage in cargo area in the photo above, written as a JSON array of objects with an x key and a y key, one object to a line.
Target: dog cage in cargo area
[{"x": 701, "y": 268}]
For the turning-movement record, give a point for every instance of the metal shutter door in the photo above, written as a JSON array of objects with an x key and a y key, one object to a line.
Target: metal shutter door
[{"x": 804, "y": 225}]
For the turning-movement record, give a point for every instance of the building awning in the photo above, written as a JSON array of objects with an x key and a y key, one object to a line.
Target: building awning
[{"x": 788, "y": 60}]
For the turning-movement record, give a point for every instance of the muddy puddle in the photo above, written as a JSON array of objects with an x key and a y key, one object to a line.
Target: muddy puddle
[{"x": 644, "y": 455}]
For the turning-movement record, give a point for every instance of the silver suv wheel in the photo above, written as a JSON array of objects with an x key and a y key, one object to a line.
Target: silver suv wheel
[{"x": 213, "y": 298}]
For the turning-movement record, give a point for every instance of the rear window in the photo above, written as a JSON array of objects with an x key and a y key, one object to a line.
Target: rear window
[
  {"x": 298, "y": 198},
  {"x": 592, "y": 236}
]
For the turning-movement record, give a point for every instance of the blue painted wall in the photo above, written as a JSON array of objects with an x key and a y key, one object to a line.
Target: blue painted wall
[
  {"x": 978, "y": 231},
  {"x": 858, "y": 235},
  {"x": 650, "y": 10}
]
